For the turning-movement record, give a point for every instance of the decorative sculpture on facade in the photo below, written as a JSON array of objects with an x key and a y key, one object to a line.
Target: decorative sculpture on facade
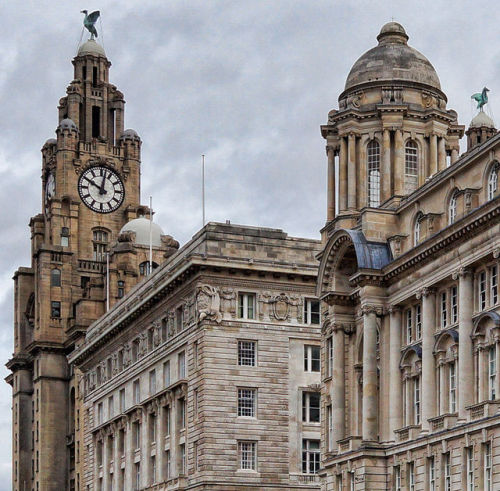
[{"x": 208, "y": 303}]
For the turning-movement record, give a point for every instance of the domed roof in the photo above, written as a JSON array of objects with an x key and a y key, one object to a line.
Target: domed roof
[
  {"x": 141, "y": 228},
  {"x": 50, "y": 141},
  {"x": 391, "y": 60},
  {"x": 91, "y": 48},
  {"x": 67, "y": 124},
  {"x": 132, "y": 134},
  {"x": 481, "y": 119}
]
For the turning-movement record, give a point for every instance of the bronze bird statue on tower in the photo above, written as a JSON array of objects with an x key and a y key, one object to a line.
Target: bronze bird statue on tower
[{"x": 89, "y": 21}]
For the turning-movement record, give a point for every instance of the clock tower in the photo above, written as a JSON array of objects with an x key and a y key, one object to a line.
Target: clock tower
[{"x": 90, "y": 245}]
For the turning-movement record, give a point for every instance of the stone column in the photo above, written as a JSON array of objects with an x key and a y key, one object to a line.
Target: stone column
[
  {"x": 428, "y": 385},
  {"x": 408, "y": 401},
  {"x": 160, "y": 444},
  {"x": 399, "y": 170},
  {"x": 116, "y": 458},
  {"x": 370, "y": 390},
  {"x": 343, "y": 175},
  {"x": 441, "y": 153},
  {"x": 433, "y": 157},
  {"x": 351, "y": 172},
  {"x": 386, "y": 165},
  {"x": 105, "y": 462},
  {"x": 497, "y": 366},
  {"x": 454, "y": 155},
  {"x": 338, "y": 385},
  {"x": 129, "y": 456},
  {"x": 465, "y": 366},
  {"x": 481, "y": 373},
  {"x": 330, "y": 211},
  {"x": 395, "y": 385}
]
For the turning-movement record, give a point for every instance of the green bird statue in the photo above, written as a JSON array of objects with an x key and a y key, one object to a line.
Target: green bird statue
[
  {"x": 481, "y": 98},
  {"x": 89, "y": 21}
]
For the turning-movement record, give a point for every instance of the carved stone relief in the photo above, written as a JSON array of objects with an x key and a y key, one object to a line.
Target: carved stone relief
[{"x": 208, "y": 303}]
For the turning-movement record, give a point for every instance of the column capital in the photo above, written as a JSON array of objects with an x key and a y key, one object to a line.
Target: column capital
[
  {"x": 496, "y": 252},
  {"x": 372, "y": 309},
  {"x": 346, "y": 327},
  {"x": 425, "y": 292},
  {"x": 330, "y": 148},
  {"x": 462, "y": 273},
  {"x": 394, "y": 309}
]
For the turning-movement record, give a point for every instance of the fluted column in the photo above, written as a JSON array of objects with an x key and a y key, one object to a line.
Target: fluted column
[
  {"x": 370, "y": 391},
  {"x": 386, "y": 165},
  {"x": 428, "y": 362},
  {"x": 330, "y": 211},
  {"x": 395, "y": 390},
  {"x": 343, "y": 175},
  {"x": 465, "y": 366},
  {"x": 433, "y": 157},
  {"x": 338, "y": 385},
  {"x": 351, "y": 172},
  {"x": 441, "y": 153},
  {"x": 399, "y": 171}
]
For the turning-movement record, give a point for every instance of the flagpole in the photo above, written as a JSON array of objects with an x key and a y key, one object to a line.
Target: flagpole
[
  {"x": 203, "y": 187},
  {"x": 150, "y": 234}
]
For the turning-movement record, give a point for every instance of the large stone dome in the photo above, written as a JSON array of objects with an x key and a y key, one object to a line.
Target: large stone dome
[
  {"x": 140, "y": 226},
  {"x": 392, "y": 60},
  {"x": 91, "y": 48}
]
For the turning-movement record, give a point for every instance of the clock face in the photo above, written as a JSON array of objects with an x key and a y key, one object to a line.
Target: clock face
[
  {"x": 50, "y": 187},
  {"x": 101, "y": 189}
]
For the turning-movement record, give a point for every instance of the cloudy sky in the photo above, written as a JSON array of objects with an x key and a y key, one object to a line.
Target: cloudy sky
[{"x": 246, "y": 82}]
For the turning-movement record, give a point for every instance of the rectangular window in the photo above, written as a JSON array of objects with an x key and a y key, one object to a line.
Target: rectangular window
[
  {"x": 311, "y": 311},
  {"x": 409, "y": 326},
  {"x": 418, "y": 321},
  {"x": 310, "y": 456},
  {"x": 411, "y": 476},
  {"x": 122, "y": 400},
  {"x": 196, "y": 457},
  {"x": 444, "y": 310},
  {"x": 454, "y": 305},
  {"x": 182, "y": 412},
  {"x": 195, "y": 403},
  {"x": 492, "y": 372},
  {"x": 111, "y": 407},
  {"x": 121, "y": 289},
  {"x": 247, "y": 353},
  {"x": 246, "y": 305},
  {"x": 247, "y": 402},
  {"x": 487, "y": 466},
  {"x": 100, "y": 416},
  {"x": 452, "y": 383},
  {"x": 136, "y": 434},
  {"x": 247, "y": 453},
  {"x": 137, "y": 391},
  {"x": 416, "y": 400},
  {"x": 431, "y": 474},
  {"x": 447, "y": 471},
  {"x": 469, "y": 457},
  {"x": 152, "y": 382},
  {"x": 329, "y": 415},
  {"x": 329, "y": 356},
  {"x": 397, "y": 478},
  {"x": 182, "y": 458},
  {"x": 137, "y": 476},
  {"x": 168, "y": 420},
  {"x": 179, "y": 318},
  {"x": 121, "y": 442},
  {"x": 166, "y": 374},
  {"x": 152, "y": 428},
  {"x": 312, "y": 356},
  {"x": 482, "y": 290},
  {"x": 310, "y": 407},
  {"x": 181, "y": 365},
  {"x": 152, "y": 470},
  {"x": 494, "y": 285},
  {"x": 168, "y": 465},
  {"x": 55, "y": 310},
  {"x": 195, "y": 355}
]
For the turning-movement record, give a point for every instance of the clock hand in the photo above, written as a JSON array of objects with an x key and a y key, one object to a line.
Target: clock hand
[{"x": 101, "y": 189}]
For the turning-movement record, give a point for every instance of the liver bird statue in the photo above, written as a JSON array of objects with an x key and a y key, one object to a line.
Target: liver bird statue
[
  {"x": 89, "y": 21},
  {"x": 481, "y": 98}
]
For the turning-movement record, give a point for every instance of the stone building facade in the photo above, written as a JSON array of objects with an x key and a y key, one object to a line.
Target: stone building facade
[
  {"x": 208, "y": 376},
  {"x": 408, "y": 280}
]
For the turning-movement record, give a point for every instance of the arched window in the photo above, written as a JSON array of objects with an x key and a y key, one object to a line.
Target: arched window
[
  {"x": 144, "y": 268},
  {"x": 373, "y": 153},
  {"x": 452, "y": 208},
  {"x": 493, "y": 181},
  {"x": 411, "y": 167},
  {"x": 100, "y": 239},
  {"x": 416, "y": 229},
  {"x": 55, "y": 277},
  {"x": 446, "y": 352}
]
